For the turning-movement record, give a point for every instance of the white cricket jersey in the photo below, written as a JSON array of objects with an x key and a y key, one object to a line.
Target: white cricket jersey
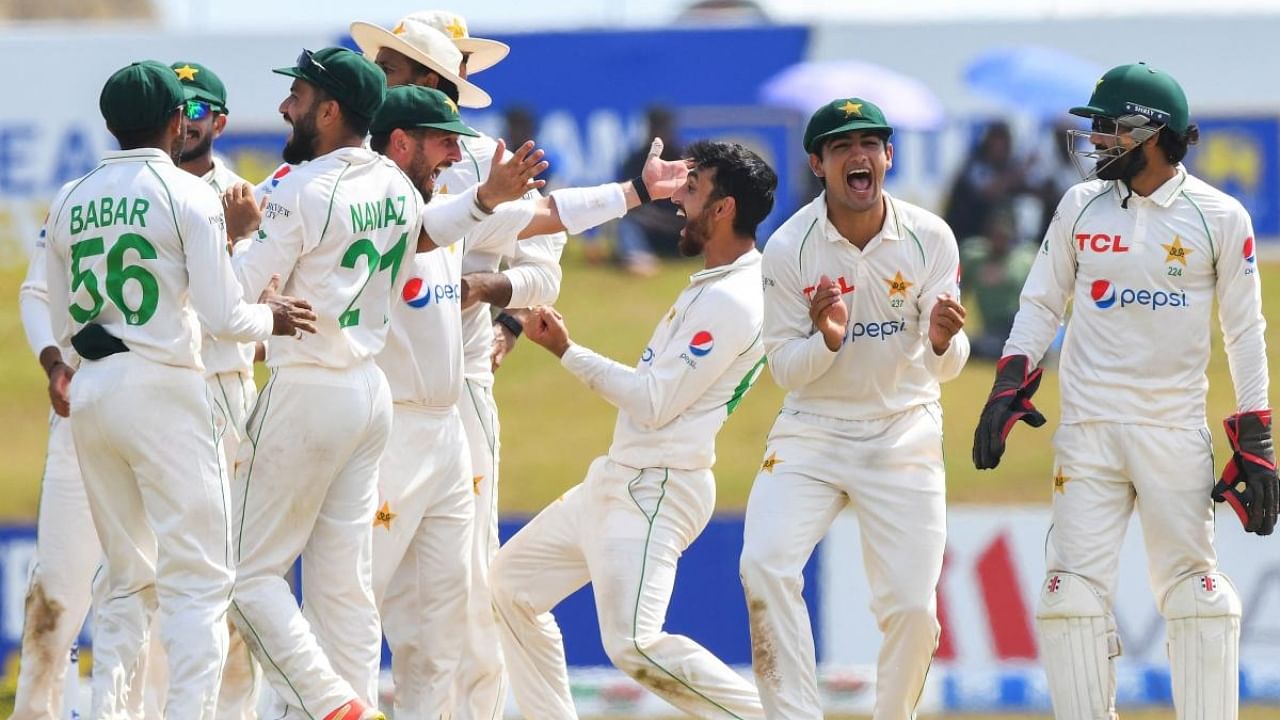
[
  {"x": 1142, "y": 282},
  {"x": 423, "y": 359},
  {"x": 886, "y": 364},
  {"x": 139, "y": 247},
  {"x": 533, "y": 268},
  {"x": 33, "y": 296},
  {"x": 223, "y": 356},
  {"x": 338, "y": 231},
  {"x": 703, "y": 357},
  {"x": 269, "y": 183}
]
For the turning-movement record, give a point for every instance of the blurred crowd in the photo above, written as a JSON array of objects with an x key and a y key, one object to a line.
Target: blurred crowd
[{"x": 999, "y": 205}]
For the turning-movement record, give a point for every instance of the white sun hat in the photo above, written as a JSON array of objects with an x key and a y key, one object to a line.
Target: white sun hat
[
  {"x": 483, "y": 53},
  {"x": 418, "y": 40}
]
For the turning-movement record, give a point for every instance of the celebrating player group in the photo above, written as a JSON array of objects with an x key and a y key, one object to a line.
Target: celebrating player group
[{"x": 384, "y": 271}]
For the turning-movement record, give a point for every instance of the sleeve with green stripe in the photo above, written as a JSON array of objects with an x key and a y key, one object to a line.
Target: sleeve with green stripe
[
  {"x": 278, "y": 244},
  {"x": 942, "y": 272},
  {"x": 710, "y": 336},
  {"x": 214, "y": 293},
  {"x": 1239, "y": 290},
  {"x": 1048, "y": 288},
  {"x": 797, "y": 353}
]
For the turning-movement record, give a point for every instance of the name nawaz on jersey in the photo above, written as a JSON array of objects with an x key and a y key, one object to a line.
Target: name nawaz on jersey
[{"x": 378, "y": 214}]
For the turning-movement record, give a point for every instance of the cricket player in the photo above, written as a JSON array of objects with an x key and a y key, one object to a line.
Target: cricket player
[
  {"x": 228, "y": 365},
  {"x": 624, "y": 527},
  {"x": 1141, "y": 250},
  {"x": 67, "y": 548},
  {"x": 133, "y": 248},
  {"x": 424, "y": 496},
  {"x": 861, "y": 325},
  {"x": 338, "y": 227},
  {"x": 67, "y": 551},
  {"x": 422, "y": 531},
  {"x": 419, "y": 50}
]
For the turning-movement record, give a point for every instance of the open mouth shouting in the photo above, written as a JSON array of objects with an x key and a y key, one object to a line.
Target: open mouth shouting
[{"x": 858, "y": 180}]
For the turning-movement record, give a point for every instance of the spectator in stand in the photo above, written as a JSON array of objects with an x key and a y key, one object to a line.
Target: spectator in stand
[
  {"x": 994, "y": 265},
  {"x": 1050, "y": 175},
  {"x": 654, "y": 228},
  {"x": 521, "y": 126},
  {"x": 991, "y": 176}
]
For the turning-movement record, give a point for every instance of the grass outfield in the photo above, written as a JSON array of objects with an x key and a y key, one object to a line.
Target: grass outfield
[{"x": 553, "y": 426}]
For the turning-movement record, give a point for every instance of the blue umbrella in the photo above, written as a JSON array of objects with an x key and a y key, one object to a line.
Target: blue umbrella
[
  {"x": 1041, "y": 81},
  {"x": 804, "y": 87}
]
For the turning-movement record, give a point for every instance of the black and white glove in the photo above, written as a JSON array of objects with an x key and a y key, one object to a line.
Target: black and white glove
[
  {"x": 1009, "y": 402},
  {"x": 1249, "y": 483}
]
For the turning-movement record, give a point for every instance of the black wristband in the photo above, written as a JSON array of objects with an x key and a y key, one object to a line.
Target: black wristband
[
  {"x": 509, "y": 322},
  {"x": 642, "y": 192}
]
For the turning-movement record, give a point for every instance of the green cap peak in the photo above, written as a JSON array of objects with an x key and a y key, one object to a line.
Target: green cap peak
[
  {"x": 1139, "y": 90},
  {"x": 202, "y": 84},
  {"x": 413, "y": 106}
]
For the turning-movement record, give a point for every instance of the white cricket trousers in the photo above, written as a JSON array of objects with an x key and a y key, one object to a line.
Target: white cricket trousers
[
  {"x": 306, "y": 484},
  {"x": 1103, "y": 472},
  {"x": 422, "y": 554},
  {"x": 481, "y": 687},
  {"x": 623, "y": 530},
  {"x": 890, "y": 471},
  {"x": 60, "y": 588},
  {"x": 233, "y": 397},
  {"x": 146, "y": 439},
  {"x": 1108, "y": 470}
]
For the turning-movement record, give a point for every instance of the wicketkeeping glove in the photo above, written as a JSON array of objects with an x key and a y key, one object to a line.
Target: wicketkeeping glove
[
  {"x": 1009, "y": 402},
  {"x": 1249, "y": 483}
]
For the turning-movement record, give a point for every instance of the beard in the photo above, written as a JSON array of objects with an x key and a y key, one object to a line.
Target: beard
[
  {"x": 697, "y": 231},
  {"x": 1124, "y": 167},
  {"x": 177, "y": 142},
  {"x": 421, "y": 172},
  {"x": 300, "y": 147},
  {"x": 187, "y": 154}
]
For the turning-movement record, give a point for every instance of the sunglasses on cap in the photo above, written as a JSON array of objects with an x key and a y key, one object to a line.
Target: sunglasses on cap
[
  {"x": 197, "y": 109},
  {"x": 307, "y": 63}
]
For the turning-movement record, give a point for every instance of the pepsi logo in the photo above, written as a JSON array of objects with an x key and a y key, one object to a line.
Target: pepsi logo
[
  {"x": 1248, "y": 250},
  {"x": 416, "y": 293},
  {"x": 1103, "y": 293},
  {"x": 702, "y": 343}
]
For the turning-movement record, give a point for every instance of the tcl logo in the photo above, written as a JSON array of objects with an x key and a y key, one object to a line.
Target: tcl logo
[
  {"x": 845, "y": 287},
  {"x": 1100, "y": 242}
]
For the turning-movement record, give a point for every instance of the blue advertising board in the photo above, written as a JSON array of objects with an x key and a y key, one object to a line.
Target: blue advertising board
[{"x": 1241, "y": 157}]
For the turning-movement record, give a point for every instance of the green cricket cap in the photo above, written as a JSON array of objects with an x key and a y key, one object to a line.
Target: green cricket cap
[
  {"x": 141, "y": 96},
  {"x": 841, "y": 116},
  {"x": 205, "y": 85},
  {"x": 412, "y": 106},
  {"x": 353, "y": 80},
  {"x": 1139, "y": 89}
]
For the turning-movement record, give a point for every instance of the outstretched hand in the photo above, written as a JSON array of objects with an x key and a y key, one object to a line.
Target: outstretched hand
[
  {"x": 663, "y": 177},
  {"x": 511, "y": 179}
]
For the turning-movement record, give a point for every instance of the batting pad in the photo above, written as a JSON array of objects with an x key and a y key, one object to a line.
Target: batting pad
[
  {"x": 1079, "y": 644},
  {"x": 1203, "y": 616}
]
